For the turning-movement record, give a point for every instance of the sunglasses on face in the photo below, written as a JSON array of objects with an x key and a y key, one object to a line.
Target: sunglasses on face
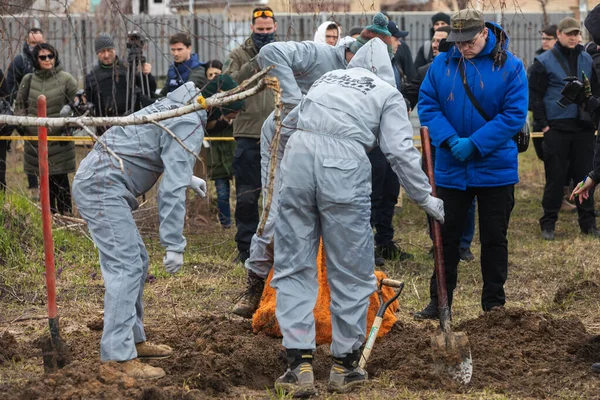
[
  {"x": 263, "y": 13},
  {"x": 49, "y": 57}
]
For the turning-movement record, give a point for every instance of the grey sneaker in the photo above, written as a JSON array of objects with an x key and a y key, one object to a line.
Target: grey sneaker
[
  {"x": 250, "y": 299},
  {"x": 345, "y": 373},
  {"x": 299, "y": 379}
]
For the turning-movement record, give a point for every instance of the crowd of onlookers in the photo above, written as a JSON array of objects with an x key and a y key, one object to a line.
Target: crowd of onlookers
[{"x": 117, "y": 87}]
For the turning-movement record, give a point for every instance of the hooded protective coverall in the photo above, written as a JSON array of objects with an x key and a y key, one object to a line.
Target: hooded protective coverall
[
  {"x": 325, "y": 190},
  {"x": 297, "y": 66},
  {"x": 106, "y": 197}
]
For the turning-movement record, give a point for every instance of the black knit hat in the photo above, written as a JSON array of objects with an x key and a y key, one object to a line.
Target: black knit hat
[
  {"x": 103, "y": 41},
  {"x": 440, "y": 17},
  {"x": 45, "y": 46},
  {"x": 592, "y": 23}
]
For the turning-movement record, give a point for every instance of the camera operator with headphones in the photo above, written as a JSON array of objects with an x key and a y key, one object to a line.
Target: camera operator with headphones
[{"x": 116, "y": 88}]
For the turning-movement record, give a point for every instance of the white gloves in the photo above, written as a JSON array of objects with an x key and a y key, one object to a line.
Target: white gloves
[
  {"x": 434, "y": 207},
  {"x": 173, "y": 260},
  {"x": 198, "y": 185}
]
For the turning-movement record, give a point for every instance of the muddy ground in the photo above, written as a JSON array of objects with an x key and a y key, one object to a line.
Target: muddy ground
[{"x": 515, "y": 352}]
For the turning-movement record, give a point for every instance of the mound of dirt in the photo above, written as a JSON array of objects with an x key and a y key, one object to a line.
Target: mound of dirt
[
  {"x": 515, "y": 352},
  {"x": 9, "y": 348}
]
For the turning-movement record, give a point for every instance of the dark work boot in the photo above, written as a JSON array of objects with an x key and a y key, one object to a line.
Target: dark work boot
[
  {"x": 345, "y": 373},
  {"x": 392, "y": 252},
  {"x": 596, "y": 367},
  {"x": 429, "y": 312},
  {"x": 250, "y": 299},
  {"x": 466, "y": 254},
  {"x": 298, "y": 380}
]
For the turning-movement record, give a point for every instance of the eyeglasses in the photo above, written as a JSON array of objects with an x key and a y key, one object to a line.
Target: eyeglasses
[
  {"x": 469, "y": 43},
  {"x": 261, "y": 13},
  {"x": 547, "y": 39},
  {"x": 49, "y": 57}
]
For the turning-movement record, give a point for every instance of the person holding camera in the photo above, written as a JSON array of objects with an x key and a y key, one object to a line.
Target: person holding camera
[
  {"x": 109, "y": 86},
  {"x": 60, "y": 89},
  {"x": 568, "y": 130}
]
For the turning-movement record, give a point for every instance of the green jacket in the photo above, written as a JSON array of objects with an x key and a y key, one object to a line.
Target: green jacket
[
  {"x": 59, "y": 87},
  {"x": 219, "y": 156},
  {"x": 240, "y": 66}
]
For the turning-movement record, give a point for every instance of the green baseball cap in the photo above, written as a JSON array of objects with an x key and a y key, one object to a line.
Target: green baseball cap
[
  {"x": 568, "y": 25},
  {"x": 464, "y": 25}
]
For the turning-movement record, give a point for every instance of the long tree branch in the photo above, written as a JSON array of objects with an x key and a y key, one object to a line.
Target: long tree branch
[{"x": 134, "y": 119}]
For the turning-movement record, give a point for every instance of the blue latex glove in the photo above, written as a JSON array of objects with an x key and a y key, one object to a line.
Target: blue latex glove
[
  {"x": 463, "y": 150},
  {"x": 452, "y": 141}
]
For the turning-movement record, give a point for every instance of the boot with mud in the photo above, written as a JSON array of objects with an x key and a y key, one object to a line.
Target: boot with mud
[
  {"x": 153, "y": 351},
  {"x": 299, "y": 379},
  {"x": 250, "y": 299},
  {"x": 345, "y": 373},
  {"x": 138, "y": 370}
]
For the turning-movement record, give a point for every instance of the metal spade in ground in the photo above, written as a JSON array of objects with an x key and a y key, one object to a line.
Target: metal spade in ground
[{"x": 451, "y": 351}]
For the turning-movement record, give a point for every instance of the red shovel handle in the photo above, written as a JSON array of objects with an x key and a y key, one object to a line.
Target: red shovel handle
[
  {"x": 438, "y": 254},
  {"x": 46, "y": 215}
]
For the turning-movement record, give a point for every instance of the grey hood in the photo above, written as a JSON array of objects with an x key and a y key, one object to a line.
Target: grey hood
[{"x": 374, "y": 57}]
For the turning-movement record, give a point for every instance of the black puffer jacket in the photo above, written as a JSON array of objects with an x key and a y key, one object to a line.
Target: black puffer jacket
[{"x": 21, "y": 65}]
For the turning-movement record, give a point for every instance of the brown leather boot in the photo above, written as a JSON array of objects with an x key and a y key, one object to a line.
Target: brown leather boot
[
  {"x": 138, "y": 370},
  {"x": 250, "y": 299},
  {"x": 151, "y": 350}
]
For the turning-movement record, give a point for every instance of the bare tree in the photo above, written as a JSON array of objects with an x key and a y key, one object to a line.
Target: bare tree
[
  {"x": 543, "y": 4},
  {"x": 122, "y": 6},
  {"x": 10, "y": 7}
]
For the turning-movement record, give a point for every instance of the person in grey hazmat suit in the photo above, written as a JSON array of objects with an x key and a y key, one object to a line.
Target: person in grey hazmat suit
[
  {"x": 325, "y": 191},
  {"x": 297, "y": 66},
  {"x": 106, "y": 198}
]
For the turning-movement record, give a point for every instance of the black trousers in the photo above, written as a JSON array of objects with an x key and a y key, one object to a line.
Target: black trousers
[
  {"x": 564, "y": 152},
  {"x": 495, "y": 205},
  {"x": 246, "y": 169},
  {"x": 384, "y": 196},
  {"x": 60, "y": 194},
  {"x": 3, "y": 148}
]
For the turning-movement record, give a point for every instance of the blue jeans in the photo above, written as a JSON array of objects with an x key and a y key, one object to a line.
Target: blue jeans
[{"x": 223, "y": 201}]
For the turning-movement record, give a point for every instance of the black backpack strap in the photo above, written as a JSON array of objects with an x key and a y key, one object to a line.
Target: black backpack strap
[
  {"x": 461, "y": 68},
  {"x": 561, "y": 61}
]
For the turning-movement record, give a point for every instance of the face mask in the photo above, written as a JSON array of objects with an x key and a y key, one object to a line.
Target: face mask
[{"x": 261, "y": 39}]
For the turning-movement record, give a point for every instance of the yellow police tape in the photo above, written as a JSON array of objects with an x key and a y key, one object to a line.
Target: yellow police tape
[
  {"x": 215, "y": 139},
  {"x": 87, "y": 138}
]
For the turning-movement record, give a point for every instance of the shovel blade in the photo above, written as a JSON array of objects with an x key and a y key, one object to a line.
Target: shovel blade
[
  {"x": 55, "y": 353},
  {"x": 452, "y": 356}
]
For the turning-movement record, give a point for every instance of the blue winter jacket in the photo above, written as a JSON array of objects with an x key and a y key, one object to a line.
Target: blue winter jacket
[{"x": 445, "y": 108}]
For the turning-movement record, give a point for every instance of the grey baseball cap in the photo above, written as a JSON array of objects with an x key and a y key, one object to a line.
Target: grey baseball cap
[{"x": 465, "y": 24}]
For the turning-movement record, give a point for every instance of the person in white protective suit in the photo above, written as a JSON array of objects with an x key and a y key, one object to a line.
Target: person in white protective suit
[
  {"x": 325, "y": 191},
  {"x": 297, "y": 66},
  {"x": 106, "y": 197}
]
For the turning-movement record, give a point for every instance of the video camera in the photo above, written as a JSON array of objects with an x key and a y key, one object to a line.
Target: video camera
[
  {"x": 78, "y": 107},
  {"x": 572, "y": 93},
  {"x": 135, "y": 47}
]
